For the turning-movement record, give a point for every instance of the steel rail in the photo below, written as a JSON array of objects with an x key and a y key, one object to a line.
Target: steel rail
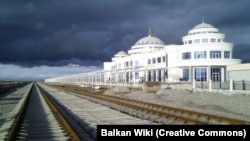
[
  {"x": 14, "y": 130},
  {"x": 187, "y": 116},
  {"x": 60, "y": 117}
]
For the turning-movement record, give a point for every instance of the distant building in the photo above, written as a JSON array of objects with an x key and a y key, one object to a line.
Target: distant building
[{"x": 204, "y": 55}]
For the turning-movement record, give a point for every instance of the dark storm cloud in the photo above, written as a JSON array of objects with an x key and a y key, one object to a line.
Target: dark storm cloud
[{"x": 56, "y": 33}]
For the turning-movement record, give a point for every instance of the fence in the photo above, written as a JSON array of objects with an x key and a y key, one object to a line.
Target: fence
[{"x": 235, "y": 85}]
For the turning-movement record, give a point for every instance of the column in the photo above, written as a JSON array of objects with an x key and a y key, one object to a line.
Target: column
[
  {"x": 231, "y": 85},
  {"x": 208, "y": 73},
  {"x": 162, "y": 75},
  {"x": 190, "y": 72},
  {"x": 194, "y": 85},
  {"x": 117, "y": 78},
  {"x": 222, "y": 74},
  {"x": 210, "y": 85},
  {"x": 156, "y": 75},
  {"x": 134, "y": 76}
]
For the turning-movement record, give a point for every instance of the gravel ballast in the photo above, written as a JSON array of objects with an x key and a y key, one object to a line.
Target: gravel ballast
[{"x": 227, "y": 105}]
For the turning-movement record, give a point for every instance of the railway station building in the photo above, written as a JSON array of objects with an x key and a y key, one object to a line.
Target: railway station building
[{"x": 203, "y": 56}]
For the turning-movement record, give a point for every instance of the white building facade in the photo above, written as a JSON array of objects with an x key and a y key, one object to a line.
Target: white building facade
[{"x": 203, "y": 56}]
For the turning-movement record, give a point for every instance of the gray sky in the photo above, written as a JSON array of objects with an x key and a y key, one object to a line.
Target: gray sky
[{"x": 48, "y": 38}]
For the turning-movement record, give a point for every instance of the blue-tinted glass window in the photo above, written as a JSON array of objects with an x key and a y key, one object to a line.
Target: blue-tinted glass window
[
  {"x": 215, "y": 54},
  {"x": 186, "y": 55},
  {"x": 200, "y": 55}
]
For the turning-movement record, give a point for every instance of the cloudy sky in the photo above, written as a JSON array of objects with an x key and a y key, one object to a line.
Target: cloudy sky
[{"x": 49, "y": 38}]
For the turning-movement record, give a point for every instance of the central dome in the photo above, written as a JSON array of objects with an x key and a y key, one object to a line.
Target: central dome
[{"x": 149, "y": 40}]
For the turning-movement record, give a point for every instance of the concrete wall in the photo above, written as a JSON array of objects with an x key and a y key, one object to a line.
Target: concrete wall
[{"x": 238, "y": 72}]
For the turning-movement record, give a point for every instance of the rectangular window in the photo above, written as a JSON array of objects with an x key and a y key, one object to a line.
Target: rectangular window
[
  {"x": 131, "y": 63},
  {"x": 215, "y": 54},
  {"x": 185, "y": 75},
  {"x": 136, "y": 63},
  {"x": 149, "y": 75},
  {"x": 149, "y": 61},
  {"x": 136, "y": 75},
  {"x": 189, "y": 41},
  {"x": 153, "y": 61},
  {"x": 196, "y": 40},
  {"x": 158, "y": 59},
  {"x": 186, "y": 55},
  {"x": 154, "y": 75},
  {"x": 219, "y": 40},
  {"x": 212, "y": 40},
  {"x": 163, "y": 58},
  {"x": 200, "y": 55},
  {"x": 200, "y": 74},
  {"x": 205, "y": 40},
  {"x": 226, "y": 54},
  {"x": 126, "y": 64}
]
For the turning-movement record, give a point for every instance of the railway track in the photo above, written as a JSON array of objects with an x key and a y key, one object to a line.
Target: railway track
[
  {"x": 39, "y": 119},
  {"x": 179, "y": 115},
  {"x": 5, "y": 87}
]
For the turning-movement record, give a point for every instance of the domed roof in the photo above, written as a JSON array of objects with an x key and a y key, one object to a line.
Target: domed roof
[
  {"x": 121, "y": 54},
  {"x": 149, "y": 40},
  {"x": 203, "y": 25}
]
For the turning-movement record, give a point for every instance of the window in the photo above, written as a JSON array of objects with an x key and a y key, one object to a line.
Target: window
[
  {"x": 215, "y": 54},
  {"x": 149, "y": 75},
  {"x": 186, "y": 55},
  {"x": 189, "y": 41},
  {"x": 154, "y": 75},
  {"x": 185, "y": 75},
  {"x": 219, "y": 40},
  {"x": 205, "y": 40},
  {"x": 200, "y": 74},
  {"x": 131, "y": 75},
  {"x": 149, "y": 61},
  {"x": 226, "y": 54},
  {"x": 119, "y": 65},
  {"x": 153, "y": 61},
  {"x": 158, "y": 59},
  {"x": 163, "y": 58},
  {"x": 136, "y": 75},
  {"x": 196, "y": 40},
  {"x": 159, "y": 75},
  {"x": 131, "y": 63},
  {"x": 126, "y": 64},
  {"x": 216, "y": 74},
  {"x": 136, "y": 63},
  {"x": 212, "y": 40},
  {"x": 200, "y": 55}
]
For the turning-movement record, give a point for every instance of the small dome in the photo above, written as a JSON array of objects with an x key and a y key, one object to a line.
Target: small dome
[
  {"x": 203, "y": 25},
  {"x": 149, "y": 40},
  {"x": 121, "y": 54}
]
